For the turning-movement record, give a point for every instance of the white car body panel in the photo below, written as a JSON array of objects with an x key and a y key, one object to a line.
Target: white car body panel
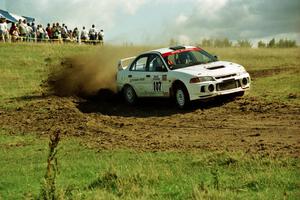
[{"x": 228, "y": 78}]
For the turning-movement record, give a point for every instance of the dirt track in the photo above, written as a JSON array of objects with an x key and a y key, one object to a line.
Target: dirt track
[{"x": 244, "y": 124}]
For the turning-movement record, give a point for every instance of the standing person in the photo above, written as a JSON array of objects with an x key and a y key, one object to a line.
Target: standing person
[
  {"x": 69, "y": 36},
  {"x": 53, "y": 29},
  {"x": 64, "y": 32},
  {"x": 22, "y": 26},
  {"x": 84, "y": 34},
  {"x": 34, "y": 28},
  {"x": 93, "y": 34},
  {"x": 40, "y": 33},
  {"x": 76, "y": 34},
  {"x": 49, "y": 31},
  {"x": 3, "y": 30},
  {"x": 57, "y": 32},
  {"x": 14, "y": 32},
  {"x": 46, "y": 36},
  {"x": 29, "y": 34},
  {"x": 101, "y": 37}
]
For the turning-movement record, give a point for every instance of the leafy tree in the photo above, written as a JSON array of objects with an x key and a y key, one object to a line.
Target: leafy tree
[
  {"x": 244, "y": 43},
  {"x": 285, "y": 43},
  {"x": 207, "y": 42},
  {"x": 272, "y": 43},
  {"x": 227, "y": 43},
  {"x": 222, "y": 42},
  {"x": 261, "y": 44}
]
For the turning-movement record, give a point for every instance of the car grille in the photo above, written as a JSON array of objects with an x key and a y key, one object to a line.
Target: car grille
[
  {"x": 227, "y": 85},
  {"x": 226, "y": 76}
]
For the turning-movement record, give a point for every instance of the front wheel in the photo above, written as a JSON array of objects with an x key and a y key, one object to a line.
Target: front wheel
[
  {"x": 129, "y": 95},
  {"x": 181, "y": 97}
]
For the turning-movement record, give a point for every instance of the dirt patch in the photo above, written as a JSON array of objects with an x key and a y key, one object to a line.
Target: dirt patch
[
  {"x": 271, "y": 72},
  {"x": 245, "y": 124}
]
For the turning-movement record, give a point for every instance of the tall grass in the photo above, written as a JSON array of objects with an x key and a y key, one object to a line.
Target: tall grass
[{"x": 86, "y": 174}]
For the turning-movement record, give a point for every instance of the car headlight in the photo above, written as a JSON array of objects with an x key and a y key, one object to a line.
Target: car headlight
[
  {"x": 201, "y": 79},
  {"x": 242, "y": 70}
]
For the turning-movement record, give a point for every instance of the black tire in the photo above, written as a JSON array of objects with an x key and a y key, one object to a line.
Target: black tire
[
  {"x": 129, "y": 95},
  {"x": 181, "y": 96}
]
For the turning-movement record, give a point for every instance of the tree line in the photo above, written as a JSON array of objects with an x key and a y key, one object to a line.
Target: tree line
[{"x": 225, "y": 42}]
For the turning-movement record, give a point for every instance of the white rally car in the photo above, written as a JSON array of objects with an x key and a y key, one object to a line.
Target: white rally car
[{"x": 184, "y": 72}]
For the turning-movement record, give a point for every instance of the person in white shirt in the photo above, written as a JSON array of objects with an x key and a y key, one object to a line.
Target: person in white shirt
[
  {"x": 22, "y": 26},
  {"x": 29, "y": 31},
  {"x": 4, "y": 34},
  {"x": 84, "y": 34}
]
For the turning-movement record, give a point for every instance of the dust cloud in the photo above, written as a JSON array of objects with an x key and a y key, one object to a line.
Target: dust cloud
[{"x": 86, "y": 74}]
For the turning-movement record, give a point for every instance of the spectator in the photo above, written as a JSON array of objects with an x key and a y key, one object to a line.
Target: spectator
[
  {"x": 69, "y": 36},
  {"x": 49, "y": 31},
  {"x": 14, "y": 32},
  {"x": 46, "y": 36},
  {"x": 101, "y": 37},
  {"x": 34, "y": 29},
  {"x": 76, "y": 34},
  {"x": 4, "y": 35},
  {"x": 29, "y": 32},
  {"x": 64, "y": 32},
  {"x": 84, "y": 34},
  {"x": 93, "y": 33},
  {"x": 57, "y": 32},
  {"x": 22, "y": 29},
  {"x": 40, "y": 33}
]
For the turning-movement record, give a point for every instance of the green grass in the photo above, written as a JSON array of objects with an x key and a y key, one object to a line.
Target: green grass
[
  {"x": 23, "y": 66},
  {"x": 262, "y": 58},
  {"x": 284, "y": 87},
  {"x": 84, "y": 173}
]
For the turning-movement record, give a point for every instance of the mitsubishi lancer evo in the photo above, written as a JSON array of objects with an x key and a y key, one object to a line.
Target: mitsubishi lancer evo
[{"x": 185, "y": 73}]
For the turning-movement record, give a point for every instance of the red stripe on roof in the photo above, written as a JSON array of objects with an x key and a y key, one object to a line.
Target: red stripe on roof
[{"x": 180, "y": 50}]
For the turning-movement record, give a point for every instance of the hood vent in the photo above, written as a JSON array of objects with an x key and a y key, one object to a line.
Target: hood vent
[{"x": 216, "y": 67}]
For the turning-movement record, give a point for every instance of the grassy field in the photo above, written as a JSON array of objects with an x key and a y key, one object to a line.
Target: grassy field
[
  {"x": 83, "y": 173},
  {"x": 86, "y": 173}
]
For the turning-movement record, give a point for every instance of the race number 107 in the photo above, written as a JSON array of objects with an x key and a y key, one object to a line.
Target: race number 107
[{"x": 157, "y": 86}]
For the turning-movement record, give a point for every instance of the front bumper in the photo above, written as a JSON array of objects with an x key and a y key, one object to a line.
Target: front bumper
[{"x": 211, "y": 89}]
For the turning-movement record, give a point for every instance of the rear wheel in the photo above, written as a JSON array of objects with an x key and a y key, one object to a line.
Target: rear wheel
[
  {"x": 129, "y": 95},
  {"x": 181, "y": 97}
]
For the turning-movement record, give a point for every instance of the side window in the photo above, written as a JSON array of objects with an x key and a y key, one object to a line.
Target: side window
[
  {"x": 156, "y": 64},
  {"x": 140, "y": 64}
]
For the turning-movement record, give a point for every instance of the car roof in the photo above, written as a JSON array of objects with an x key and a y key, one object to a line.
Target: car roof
[{"x": 169, "y": 50}]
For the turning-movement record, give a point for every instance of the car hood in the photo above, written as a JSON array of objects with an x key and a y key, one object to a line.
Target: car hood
[{"x": 214, "y": 69}]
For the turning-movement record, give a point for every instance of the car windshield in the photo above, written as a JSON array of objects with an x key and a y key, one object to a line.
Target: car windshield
[{"x": 188, "y": 57}]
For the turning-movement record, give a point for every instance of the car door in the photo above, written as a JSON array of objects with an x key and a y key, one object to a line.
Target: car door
[
  {"x": 137, "y": 75},
  {"x": 156, "y": 81}
]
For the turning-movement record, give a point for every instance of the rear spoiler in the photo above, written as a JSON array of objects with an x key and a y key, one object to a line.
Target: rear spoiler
[{"x": 123, "y": 63}]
